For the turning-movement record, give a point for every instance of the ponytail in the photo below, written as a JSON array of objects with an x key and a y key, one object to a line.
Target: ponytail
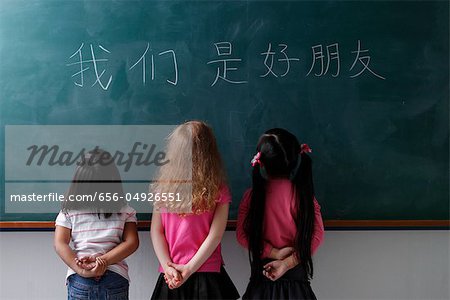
[
  {"x": 304, "y": 190},
  {"x": 253, "y": 224}
]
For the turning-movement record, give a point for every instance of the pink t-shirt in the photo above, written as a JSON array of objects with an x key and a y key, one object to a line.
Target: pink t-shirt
[
  {"x": 185, "y": 234},
  {"x": 279, "y": 227}
]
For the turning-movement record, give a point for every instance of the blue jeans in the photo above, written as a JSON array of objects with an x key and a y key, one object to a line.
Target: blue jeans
[{"x": 111, "y": 286}]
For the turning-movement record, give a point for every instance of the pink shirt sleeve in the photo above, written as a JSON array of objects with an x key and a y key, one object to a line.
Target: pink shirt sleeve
[
  {"x": 242, "y": 214},
  {"x": 224, "y": 195},
  {"x": 240, "y": 234},
  {"x": 318, "y": 234},
  {"x": 267, "y": 248}
]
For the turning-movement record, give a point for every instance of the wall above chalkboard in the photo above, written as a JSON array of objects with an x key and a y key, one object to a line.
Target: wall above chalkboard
[{"x": 366, "y": 84}]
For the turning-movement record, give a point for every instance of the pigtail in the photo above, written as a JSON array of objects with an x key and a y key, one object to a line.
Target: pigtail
[
  {"x": 253, "y": 224},
  {"x": 304, "y": 188}
]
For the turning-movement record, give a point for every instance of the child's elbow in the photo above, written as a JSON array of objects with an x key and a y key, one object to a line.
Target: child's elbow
[
  {"x": 242, "y": 242},
  {"x": 57, "y": 246},
  {"x": 240, "y": 237},
  {"x": 156, "y": 231},
  {"x": 217, "y": 238},
  {"x": 155, "y": 234},
  {"x": 134, "y": 244}
]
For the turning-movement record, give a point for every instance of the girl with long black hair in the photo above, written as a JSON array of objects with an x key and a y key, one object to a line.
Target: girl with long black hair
[{"x": 279, "y": 219}]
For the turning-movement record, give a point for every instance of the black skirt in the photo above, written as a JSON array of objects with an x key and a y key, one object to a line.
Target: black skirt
[
  {"x": 294, "y": 284},
  {"x": 201, "y": 285}
]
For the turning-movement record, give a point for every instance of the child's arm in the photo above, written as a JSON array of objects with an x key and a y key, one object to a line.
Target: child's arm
[
  {"x": 208, "y": 246},
  {"x": 62, "y": 248},
  {"x": 213, "y": 239},
  {"x": 171, "y": 276},
  {"x": 318, "y": 233},
  {"x": 129, "y": 244},
  {"x": 277, "y": 253},
  {"x": 242, "y": 215},
  {"x": 159, "y": 241},
  {"x": 61, "y": 244},
  {"x": 277, "y": 268}
]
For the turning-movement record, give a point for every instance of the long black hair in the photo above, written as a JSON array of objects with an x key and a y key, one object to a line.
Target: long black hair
[
  {"x": 97, "y": 177},
  {"x": 280, "y": 157}
]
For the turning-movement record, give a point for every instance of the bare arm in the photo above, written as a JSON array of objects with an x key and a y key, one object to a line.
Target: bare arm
[
  {"x": 62, "y": 248},
  {"x": 159, "y": 241},
  {"x": 207, "y": 247},
  {"x": 277, "y": 268},
  {"x": 213, "y": 239},
  {"x": 61, "y": 244},
  {"x": 129, "y": 244}
]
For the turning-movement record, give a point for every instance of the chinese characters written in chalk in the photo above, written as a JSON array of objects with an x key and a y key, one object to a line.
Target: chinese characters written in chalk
[{"x": 276, "y": 60}]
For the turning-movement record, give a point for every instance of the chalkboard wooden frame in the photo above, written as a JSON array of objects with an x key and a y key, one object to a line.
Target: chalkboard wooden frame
[{"x": 231, "y": 225}]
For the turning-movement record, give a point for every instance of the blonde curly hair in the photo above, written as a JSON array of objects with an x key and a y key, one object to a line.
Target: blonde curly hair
[{"x": 195, "y": 169}]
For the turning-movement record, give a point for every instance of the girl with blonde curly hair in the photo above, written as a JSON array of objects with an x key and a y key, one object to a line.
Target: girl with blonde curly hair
[{"x": 186, "y": 234}]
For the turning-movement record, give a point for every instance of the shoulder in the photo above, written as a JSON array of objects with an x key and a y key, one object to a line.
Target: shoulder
[
  {"x": 63, "y": 220},
  {"x": 127, "y": 210},
  {"x": 71, "y": 217}
]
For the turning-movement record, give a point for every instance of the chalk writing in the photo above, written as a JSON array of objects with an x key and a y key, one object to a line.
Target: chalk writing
[
  {"x": 269, "y": 60},
  {"x": 224, "y": 49},
  {"x": 326, "y": 60},
  {"x": 143, "y": 61},
  {"x": 318, "y": 56},
  {"x": 94, "y": 62},
  {"x": 364, "y": 60},
  {"x": 174, "y": 57}
]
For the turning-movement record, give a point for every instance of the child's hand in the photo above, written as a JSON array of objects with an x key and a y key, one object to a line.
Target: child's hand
[
  {"x": 282, "y": 253},
  {"x": 85, "y": 262},
  {"x": 172, "y": 277},
  {"x": 183, "y": 270},
  {"x": 275, "y": 269},
  {"x": 97, "y": 271}
]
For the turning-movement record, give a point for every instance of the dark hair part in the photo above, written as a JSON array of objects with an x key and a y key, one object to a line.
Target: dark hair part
[
  {"x": 281, "y": 158},
  {"x": 96, "y": 173}
]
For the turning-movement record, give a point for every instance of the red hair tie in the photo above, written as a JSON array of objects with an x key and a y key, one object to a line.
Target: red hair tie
[
  {"x": 255, "y": 160},
  {"x": 304, "y": 148}
]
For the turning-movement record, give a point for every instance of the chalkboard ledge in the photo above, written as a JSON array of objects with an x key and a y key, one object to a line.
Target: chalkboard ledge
[{"x": 231, "y": 225}]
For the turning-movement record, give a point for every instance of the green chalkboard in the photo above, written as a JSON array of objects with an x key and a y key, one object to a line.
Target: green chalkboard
[{"x": 364, "y": 83}]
